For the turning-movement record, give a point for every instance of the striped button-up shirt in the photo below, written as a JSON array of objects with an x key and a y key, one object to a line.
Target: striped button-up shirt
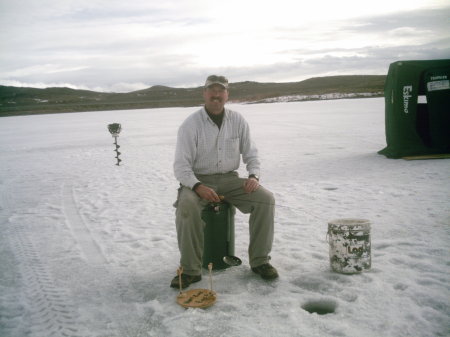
[{"x": 203, "y": 148}]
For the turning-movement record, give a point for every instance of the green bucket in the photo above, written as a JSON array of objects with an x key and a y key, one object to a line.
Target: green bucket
[{"x": 218, "y": 234}]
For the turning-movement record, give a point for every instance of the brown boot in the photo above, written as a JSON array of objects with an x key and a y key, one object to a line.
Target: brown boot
[
  {"x": 186, "y": 281},
  {"x": 266, "y": 271}
]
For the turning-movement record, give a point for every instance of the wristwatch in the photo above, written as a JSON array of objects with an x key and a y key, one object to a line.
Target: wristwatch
[{"x": 254, "y": 176}]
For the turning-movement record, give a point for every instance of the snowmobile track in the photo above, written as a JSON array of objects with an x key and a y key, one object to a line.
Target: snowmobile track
[
  {"x": 51, "y": 312},
  {"x": 81, "y": 233}
]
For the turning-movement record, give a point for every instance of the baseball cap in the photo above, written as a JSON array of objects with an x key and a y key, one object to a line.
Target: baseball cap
[{"x": 214, "y": 79}]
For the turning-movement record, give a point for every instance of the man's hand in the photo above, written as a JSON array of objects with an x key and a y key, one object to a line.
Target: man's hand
[
  {"x": 251, "y": 185},
  {"x": 207, "y": 193}
]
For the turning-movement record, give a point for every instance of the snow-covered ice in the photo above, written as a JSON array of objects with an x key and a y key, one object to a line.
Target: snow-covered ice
[
  {"x": 335, "y": 95},
  {"x": 88, "y": 248}
]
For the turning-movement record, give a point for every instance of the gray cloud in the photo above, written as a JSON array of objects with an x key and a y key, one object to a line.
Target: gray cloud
[
  {"x": 436, "y": 20},
  {"x": 123, "y": 48}
]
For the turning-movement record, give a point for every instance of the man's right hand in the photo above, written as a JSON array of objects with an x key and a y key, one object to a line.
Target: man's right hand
[{"x": 207, "y": 193}]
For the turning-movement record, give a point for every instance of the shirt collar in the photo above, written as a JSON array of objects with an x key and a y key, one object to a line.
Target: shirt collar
[{"x": 206, "y": 117}]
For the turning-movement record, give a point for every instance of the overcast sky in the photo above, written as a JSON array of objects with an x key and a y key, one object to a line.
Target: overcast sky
[{"x": 127, "y": 45}]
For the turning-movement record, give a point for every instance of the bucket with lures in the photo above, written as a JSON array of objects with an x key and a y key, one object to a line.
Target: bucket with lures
[{"x": 349, "y": 241}]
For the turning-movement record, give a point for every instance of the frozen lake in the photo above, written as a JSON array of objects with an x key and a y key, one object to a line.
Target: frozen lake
[{"x": 89, "y": 248}]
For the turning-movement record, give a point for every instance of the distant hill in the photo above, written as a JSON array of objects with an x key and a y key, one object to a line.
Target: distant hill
[{"x": 24, "y": 101}]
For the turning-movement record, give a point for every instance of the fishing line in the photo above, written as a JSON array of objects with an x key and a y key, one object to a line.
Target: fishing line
[
  {"x": 276, "y": 205},
  {"x": 222, "y": 198}
]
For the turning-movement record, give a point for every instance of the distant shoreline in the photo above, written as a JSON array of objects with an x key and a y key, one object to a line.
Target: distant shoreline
[
  {"x": 268, "y": 101},
  {"x": 19, "y": 101}
]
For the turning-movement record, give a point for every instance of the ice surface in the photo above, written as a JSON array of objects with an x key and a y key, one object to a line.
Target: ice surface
[{"x": 88, "y": 248}]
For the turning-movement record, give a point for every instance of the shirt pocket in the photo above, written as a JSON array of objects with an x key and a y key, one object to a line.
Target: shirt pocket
[{"x": 232, "y": 147}]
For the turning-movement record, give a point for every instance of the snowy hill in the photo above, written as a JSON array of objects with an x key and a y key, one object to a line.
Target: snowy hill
[{"x": 22, "y": 101}]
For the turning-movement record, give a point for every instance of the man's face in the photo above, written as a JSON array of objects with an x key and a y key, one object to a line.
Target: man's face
[{"x": 215, "y": 98}]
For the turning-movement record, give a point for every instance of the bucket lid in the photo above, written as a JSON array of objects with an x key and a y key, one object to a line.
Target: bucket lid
[{"x": 349, "y": 224}]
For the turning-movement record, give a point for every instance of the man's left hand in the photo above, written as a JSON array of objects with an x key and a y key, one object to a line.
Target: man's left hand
[{"x": 251, "y": 185}]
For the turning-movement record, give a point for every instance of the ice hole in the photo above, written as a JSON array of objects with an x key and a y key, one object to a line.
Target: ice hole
[{"x": 320, "y": 307}]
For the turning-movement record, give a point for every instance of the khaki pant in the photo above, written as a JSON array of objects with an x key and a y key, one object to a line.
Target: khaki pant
[{"x": 190, "y": 226}]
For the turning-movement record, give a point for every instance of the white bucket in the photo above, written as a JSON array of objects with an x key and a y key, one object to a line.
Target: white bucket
[{"x": 349, "y": 241}]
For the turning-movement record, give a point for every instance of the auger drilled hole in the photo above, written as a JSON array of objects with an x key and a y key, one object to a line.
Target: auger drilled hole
[{"x": 320, "y": 307}]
